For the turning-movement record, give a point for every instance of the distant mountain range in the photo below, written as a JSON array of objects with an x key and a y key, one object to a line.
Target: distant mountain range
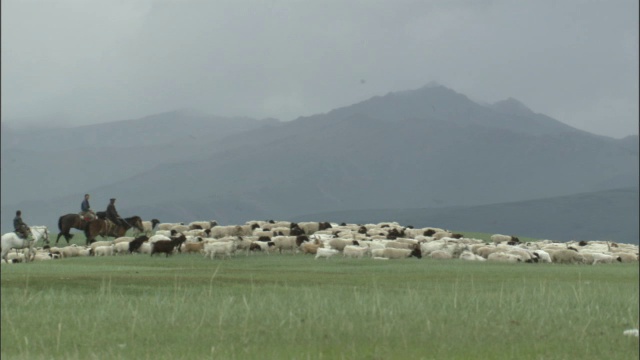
[
  {"x": 421, "y": 149},
  {"x": 606, "y": 215}
]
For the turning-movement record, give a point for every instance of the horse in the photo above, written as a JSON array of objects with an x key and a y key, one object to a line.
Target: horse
[
  {"x": 106, "y": 228},
  {"x": 11, "y": 240},
  {"x": 67, "y": 222}
]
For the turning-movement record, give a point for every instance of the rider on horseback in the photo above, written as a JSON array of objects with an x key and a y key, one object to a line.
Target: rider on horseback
[
  {"x": 86, "y": 213},
  {"x": 21, "y": 229},
  {"x": 112, "y": 214}
]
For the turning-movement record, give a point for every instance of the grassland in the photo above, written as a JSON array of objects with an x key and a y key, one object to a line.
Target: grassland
[{"x": 294, "y": 307}]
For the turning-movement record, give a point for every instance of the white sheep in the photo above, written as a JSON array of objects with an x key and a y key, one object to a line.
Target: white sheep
[
  {"x": 145, "y": 248},
  {"x": 204, "y": 225},
  {"x": 470, "y": 256},
  {"x": 326, "y": 253},
  {"x": 167, "y": 226},
  {"x": 353, "y": 251},
  {"x": 95, "y": 244},
  {"x": 498, "y": 238},
  {"x": 600, "y": 258},
  {"x": 126, "y": 239},
  {"x": 442, "y": 234},
  {"x": 104, "y": 250},
  {"x": 285, "y": 243},
  {"x": 122, "y": 247},
  {"x": 157, "y": 237},
  {"x": 566, "y": 256},
  {"x": 211, "y": 249},
  {"x": 627, "y": 258},
  {"x": 543, "y": 256},
  {"x": 503, "y": 257},
  {"x": 69, "y": 251},
  {"x": 440, "y": 255}
]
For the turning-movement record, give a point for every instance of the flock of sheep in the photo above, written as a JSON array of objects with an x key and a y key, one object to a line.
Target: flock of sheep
[{"x": 382, "y": 241}]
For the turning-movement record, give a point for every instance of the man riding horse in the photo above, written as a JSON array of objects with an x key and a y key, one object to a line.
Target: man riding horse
[
  {"x": 85, "y": 209},
  {"x": 112, "y": 215},
  {"x": 21, "y": 229}
]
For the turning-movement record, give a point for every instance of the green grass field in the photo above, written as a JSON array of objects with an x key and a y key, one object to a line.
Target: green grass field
[{"x": 294, "y": 307}]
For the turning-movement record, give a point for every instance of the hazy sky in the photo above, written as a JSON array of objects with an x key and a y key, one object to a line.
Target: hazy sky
[{"x": 85, "y": 61}]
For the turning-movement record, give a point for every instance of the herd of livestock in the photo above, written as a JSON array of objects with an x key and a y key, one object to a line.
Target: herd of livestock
[{"x": 382, "y": 241}]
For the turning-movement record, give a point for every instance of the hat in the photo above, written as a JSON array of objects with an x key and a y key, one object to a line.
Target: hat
[{"x": 112, "y": 199}]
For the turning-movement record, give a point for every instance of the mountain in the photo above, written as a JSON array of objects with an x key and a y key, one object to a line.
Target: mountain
[
  {"x": 424, "y": 148},
  {"x": 48, "y": 163},
  {"x": 604, "y": 215}
]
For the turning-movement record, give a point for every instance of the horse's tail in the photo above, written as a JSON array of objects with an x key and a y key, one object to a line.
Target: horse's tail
[{"x": 60, "y": 223}]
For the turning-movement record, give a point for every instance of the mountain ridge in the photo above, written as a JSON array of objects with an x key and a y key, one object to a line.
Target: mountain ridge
[{"x": 394, "y": 149}]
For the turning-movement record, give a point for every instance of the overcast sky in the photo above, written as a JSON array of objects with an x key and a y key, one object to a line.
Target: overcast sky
[{"x": 85, "y": 61}]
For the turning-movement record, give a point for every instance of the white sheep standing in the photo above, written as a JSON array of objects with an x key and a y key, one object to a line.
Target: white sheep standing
[
  {"x": 566, "y": 256},
  {"x": 104, "y": 250},
  {"x": 211, "y": 249},
  {"x": 353, "y": 251}
]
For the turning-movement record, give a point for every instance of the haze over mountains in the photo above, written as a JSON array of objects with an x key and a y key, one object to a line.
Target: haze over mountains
[{"x": 425, "y": 148}]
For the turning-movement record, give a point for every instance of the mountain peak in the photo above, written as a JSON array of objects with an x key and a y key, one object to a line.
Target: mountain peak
[{"x": 512, "y": 106}]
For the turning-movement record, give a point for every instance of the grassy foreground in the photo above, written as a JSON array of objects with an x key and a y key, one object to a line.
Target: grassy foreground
[{"x": 294, "y": 307}]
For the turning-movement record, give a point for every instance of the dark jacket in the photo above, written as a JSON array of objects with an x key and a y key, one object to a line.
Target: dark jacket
[
  {"x": 85, "y": 205},
  {"x": 18, "y": 223},
  {"x": 112, "y": 214}
]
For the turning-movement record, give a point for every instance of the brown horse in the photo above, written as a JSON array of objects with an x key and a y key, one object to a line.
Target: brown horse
[
  {"x": 68, "y": 222},
  {"x": 105, "y": 228}
]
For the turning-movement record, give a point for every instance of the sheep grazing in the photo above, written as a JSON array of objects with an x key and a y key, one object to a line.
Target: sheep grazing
[
  {"x": 157, "y": 237},
  {"x": 167, "y": 246},
  {"x": 123, "y": 239},
  {"x": 203, "y": 225},
  {"x": 391, "y": 253},
  {"x": 95, "y": 244},
  {"x": 440, "y": 255},
  {"x": 167, "y": 226},
  {"x": 470, "y": 256},
  {"x": 225, "y": 248},
  {"x": 135, "y": 244},
  {"x": 504, "y": 257},
  {"x": 542, "y": 255},
  {"x": 122, "y": 247},
  {"x": 193, "y": 247},
  {"x": 442, "y": 234},
  {"x": 326, "y": 253},
  {"x": 353, "y": 251},
  {"x": 627, "y": 258},
  {"x": 310, "y": 248},
  {"x": 498, "y": 238},
  {"x": 339, "y": 244},
  {"x": 566, "y": 256},
  {"x": 599, "y": 258},
  {"x": 104, "y": 250},
  {"x": 285, "y": 243}
]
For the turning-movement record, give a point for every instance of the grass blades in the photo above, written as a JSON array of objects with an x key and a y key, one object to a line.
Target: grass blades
[{"x": 295, "y": 307}]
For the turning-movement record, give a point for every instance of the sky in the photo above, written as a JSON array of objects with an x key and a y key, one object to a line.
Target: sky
[{"x": 79, "y": 62}]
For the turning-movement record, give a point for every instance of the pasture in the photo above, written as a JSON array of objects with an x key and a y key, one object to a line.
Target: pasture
[{"x": 294, "y": 307}]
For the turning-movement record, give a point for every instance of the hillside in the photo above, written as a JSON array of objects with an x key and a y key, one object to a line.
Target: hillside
[
  {"x": 603, "y": 215},
  {"x": 424, "y": 148}
]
